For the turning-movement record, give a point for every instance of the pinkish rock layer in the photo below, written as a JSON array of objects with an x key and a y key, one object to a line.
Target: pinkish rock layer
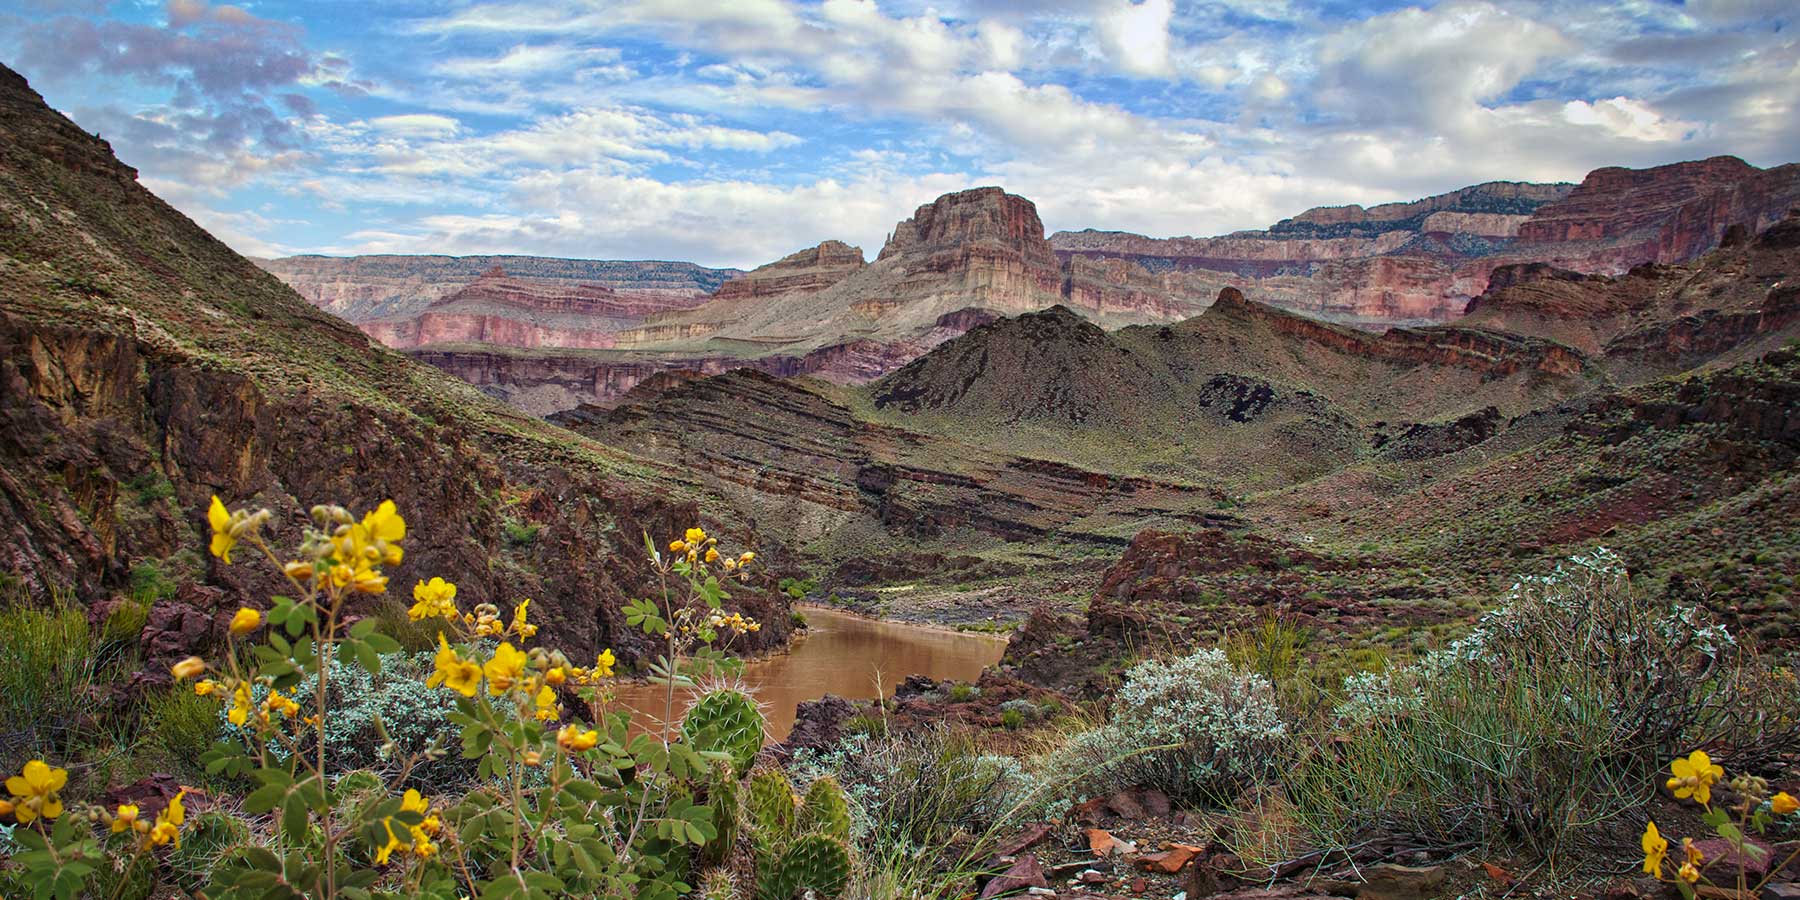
[
  {"x": 526, "y": 314},
  {"x": 1423, "y": 261}
]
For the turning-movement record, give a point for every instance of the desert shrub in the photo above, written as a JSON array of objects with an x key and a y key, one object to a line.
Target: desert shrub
[
  {"x": 1021, "y": 710},
  {"x": 1550, "y": 712},
  {"x": 918, "y": 788},
  {"x": 380, "y": 721},
  {"x": 521, "y": 534},
  {"x": 1198, "y": 727},
  {"x": 962, "y": 692}
]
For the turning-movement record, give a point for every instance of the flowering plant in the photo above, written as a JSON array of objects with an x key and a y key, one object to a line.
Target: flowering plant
[
  {"x": 1755, "y": 808},
  {"x": 571, "y": 800}
]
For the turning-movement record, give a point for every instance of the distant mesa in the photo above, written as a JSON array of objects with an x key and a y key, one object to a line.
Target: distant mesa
[{"x": 974, "y": 255}]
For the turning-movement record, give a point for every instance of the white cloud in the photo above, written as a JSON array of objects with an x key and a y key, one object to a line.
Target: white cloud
[
  {"x": 1135, "y": 35},
  {"x": 416, "y": 125}
]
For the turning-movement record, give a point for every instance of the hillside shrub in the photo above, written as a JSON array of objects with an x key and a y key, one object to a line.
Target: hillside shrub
[
  {"x": 1545, "y": 719},
  {"x": 1203, "y": 728}
]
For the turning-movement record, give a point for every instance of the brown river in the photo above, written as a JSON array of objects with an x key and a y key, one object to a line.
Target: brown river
[{"x": 844, "y": 655}]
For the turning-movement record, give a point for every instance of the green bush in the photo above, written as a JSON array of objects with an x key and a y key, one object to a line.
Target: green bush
[
  {"x": 1197, "y": 727},
  {"x": 149, "y": 585},
  {"x": 963, "y": 692},
  {"x": 180, "y": 724},
  {"x": 1548, "y": 719},
  {"x": 521, "y": 534}
]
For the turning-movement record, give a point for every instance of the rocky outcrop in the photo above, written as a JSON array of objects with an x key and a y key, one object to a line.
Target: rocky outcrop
[
  {"x": 396, "y": 286},
  {"x": 1656, "y": 319},
  {"x": 1618, "y": 218},
  {"x": 808, "y": 271}
]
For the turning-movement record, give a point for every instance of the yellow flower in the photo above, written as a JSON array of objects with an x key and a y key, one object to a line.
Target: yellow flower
[
  {"x": 125, "y": 818},
  {"x": 245, "y": 621},
  {"x": 460, "y": 675},
  {"x": 164, "y": 833},
  {"x": 677, "y": 546},
  {"x": 431, "y": 825},
  {"x": 545, "y": 701},
  {"x": 696, "y": 536},
  {"x": 1690, "y": 853},
  {"x": 240, "y": 704},
  {"x": 523, "y": 628},
  {"x": 188, "y": 668},
  {"x": 555, "y": 676},
  {"x": 413, "y": 801},
  {"x": 712, "y": 555},
  {"x": 1694, "y": 777},
  {"x": 222, "y": 538},
  {"x": 504, "y": 669},
  {"x": 174, "y": 813},
  {"x": 574, "y": 740},
  {"x": 1783, "y": 803},
  {"x": 603, "y": 664},
  {"x": 436, "y": 599},
  {"x": 37, "y": 791},
  {"x": 532, "y": 758},
  {"x": 1656, "y": 849},
  {"x": 276, "y": 702},
  {"x": 206, "y": 687},
  {"x": 1688, "y": 873},
  {"x": 386, "y": 527},
  {"x": 745, "y": 558}
]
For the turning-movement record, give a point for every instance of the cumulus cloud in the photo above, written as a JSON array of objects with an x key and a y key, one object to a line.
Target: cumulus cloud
[{"x": 734, "y": 131}]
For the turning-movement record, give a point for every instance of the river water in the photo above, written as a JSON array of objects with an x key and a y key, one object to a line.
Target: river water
[{"x": 844, "y": 655}]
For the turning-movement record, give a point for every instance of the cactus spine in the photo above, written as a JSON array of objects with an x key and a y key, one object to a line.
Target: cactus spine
[
  {"x": 725, "y": 721},
  {"x": 801, "y": 843}
]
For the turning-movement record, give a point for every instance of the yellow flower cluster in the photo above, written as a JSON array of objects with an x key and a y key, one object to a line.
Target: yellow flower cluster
[
  {"x": 602, "y": 670},
  {"x": 697, "y": 546},
  {"x": 1693, "y": 778},
  {"x": 420, "y": 836},
  {"x": 165, "y": 830},
  {"x": 736, "y": 622},
  {"x": 349, "y": 557},
  {"x": 435, "y": 599},
  {"x": 230, "y": 527},
  {"x": 36, "y": 792},
  {"x": 485, "y": 621}
]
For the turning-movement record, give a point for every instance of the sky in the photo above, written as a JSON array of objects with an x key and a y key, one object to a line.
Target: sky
[{"x": 733, "y": 132}]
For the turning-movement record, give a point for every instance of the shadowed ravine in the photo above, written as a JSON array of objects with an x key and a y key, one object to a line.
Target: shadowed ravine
[{"x": 844, "y": 655}]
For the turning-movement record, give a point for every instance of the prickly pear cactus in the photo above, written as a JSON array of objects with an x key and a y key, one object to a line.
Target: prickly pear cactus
[
  {"x": 722, "y": 797},
  {"x": 771, "y": 807},
  {"x": 725, "y": 721},
  {"x": 824, "y": 810},
  {"x": 814, "y": 862},
  {"x": 717, "y": 884}
]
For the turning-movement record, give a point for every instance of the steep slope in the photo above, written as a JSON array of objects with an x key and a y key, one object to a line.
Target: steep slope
[
  {"x": 147, "y": 367},
  {"x": 1243, "y": 395},
  {"x": 1658, "y": 319},
  {"x": 396, "y": 286}
]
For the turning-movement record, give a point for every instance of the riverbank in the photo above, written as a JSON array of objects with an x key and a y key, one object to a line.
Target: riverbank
[{"x": 846, "y": 654}]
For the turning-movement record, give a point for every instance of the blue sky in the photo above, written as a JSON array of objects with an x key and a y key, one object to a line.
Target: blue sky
[{"x": 731, "y": 132}]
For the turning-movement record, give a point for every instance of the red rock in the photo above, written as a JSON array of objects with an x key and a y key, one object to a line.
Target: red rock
[
  {"x": 1126, "y": 805},
  {"x": 1139, "y": 884},
  {"x": 1022, "y": 875},
  {"x": 1724, "y": 863},
  {"x": 1170, "y": 861},
  {"x": 1030, "y": 837}
]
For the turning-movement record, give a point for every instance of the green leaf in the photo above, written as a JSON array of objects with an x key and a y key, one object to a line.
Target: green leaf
[
  {"x": 265, "y": 798},
  {"x": 294, "y": 816}
]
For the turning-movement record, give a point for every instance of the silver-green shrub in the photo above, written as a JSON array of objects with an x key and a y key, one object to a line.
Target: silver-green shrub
[{"x": 1197, "y": 727}]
